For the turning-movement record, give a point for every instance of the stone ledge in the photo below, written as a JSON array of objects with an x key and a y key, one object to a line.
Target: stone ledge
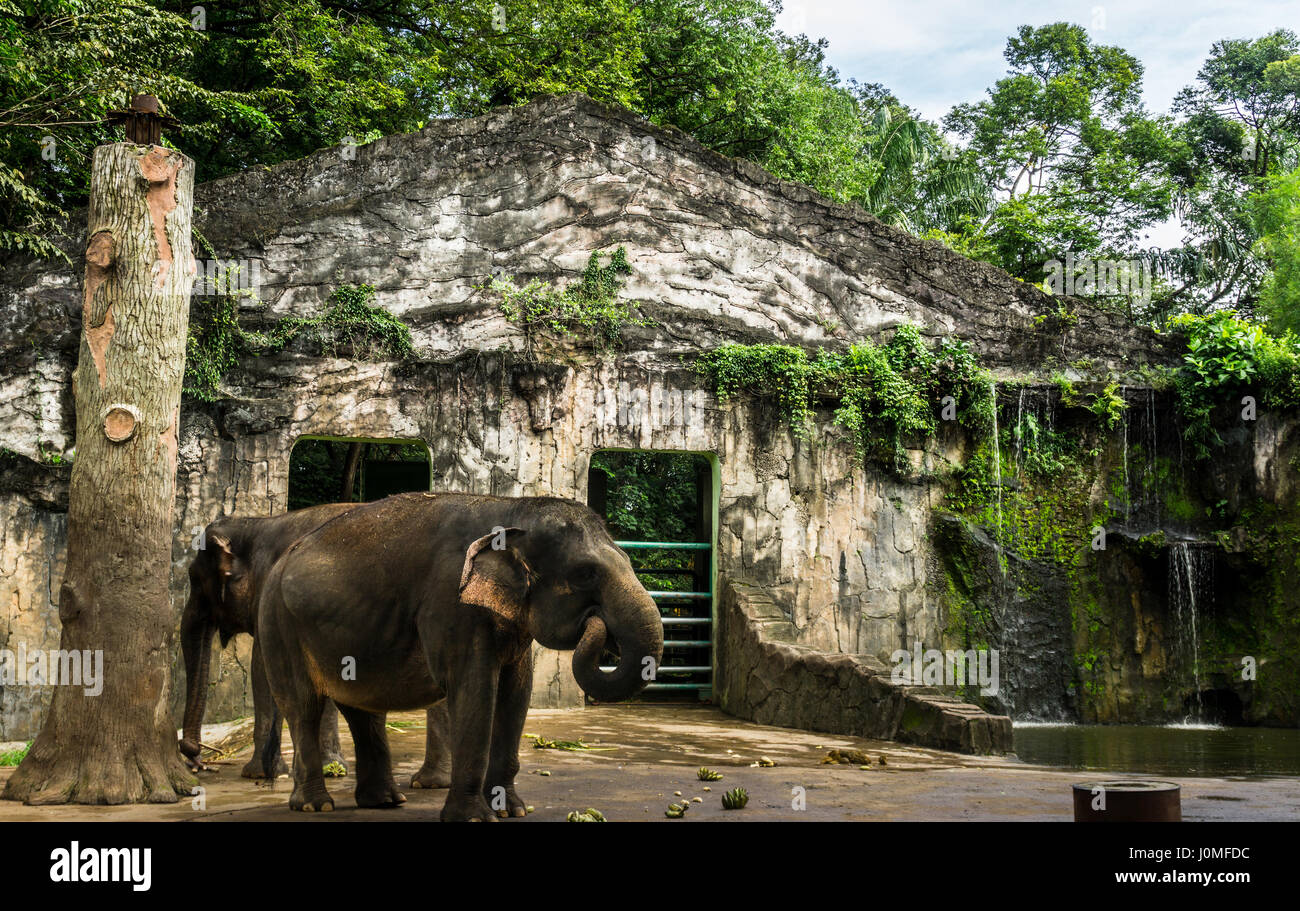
[{"x": 770, "y": 681}]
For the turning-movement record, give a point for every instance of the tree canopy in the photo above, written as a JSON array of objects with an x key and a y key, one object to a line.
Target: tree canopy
[{"x": 1059, "y": 157}]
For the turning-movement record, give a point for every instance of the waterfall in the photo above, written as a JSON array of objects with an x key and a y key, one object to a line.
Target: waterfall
[
  {"x": 1020, "y": 429},
  {"x": 1128, "y": 492},
  {"x": 1140, "y": 430},
  {"x": 1191, "y": 569},
  {"x": 997, "y": 465},
  {"x": 1002, "y": 609},
  {"x": 1153, "y": 453}
]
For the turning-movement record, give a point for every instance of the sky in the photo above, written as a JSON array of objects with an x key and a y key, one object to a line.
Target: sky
[{"x": 933, "y": 54}]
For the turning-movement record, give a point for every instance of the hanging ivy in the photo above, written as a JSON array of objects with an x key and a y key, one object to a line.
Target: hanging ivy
[
  {"x": 884, "y": 395},
  {"x": 350, "y": 326}
]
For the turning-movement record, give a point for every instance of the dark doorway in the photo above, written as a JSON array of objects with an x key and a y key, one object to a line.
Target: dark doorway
[
  {"x": 341, "y": 470},
  {"x": 661, "y": 508}
]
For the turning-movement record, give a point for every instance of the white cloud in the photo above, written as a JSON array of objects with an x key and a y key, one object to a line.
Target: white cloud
[{"x": 934, "y": 54}]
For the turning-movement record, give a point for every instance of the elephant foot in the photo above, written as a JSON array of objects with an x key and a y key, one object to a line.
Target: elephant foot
[
  {"x": 254, "y": 768},
  {"x": 380, "y": 794},
  {"x": 467, "y": 809},
  {"x": 318, "y": 801},
  {"x": 506, "y": 805},
  {"x": 333, "y": 766},
  {"x": 431, "y": 777}
]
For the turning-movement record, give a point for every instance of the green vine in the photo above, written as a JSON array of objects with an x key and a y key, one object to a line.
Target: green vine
[
  {"x": 885, "y": 394},
  {"x": 350, "y": 326},
  {"x": 588, "y": 307}
]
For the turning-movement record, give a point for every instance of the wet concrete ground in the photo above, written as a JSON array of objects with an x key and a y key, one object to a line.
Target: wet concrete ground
[{"x": 654, "y": 751}]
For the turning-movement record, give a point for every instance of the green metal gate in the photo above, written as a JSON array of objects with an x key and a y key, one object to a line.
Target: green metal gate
[{"x": 687, "y": 664}]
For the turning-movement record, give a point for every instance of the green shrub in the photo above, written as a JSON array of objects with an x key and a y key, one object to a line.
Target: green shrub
[
  {"x": 14, "y": 757},
  {"x": 1069, "y": 395},
  {"x": 1228, "y": 357},
  {"x": 588, "y": 307},
  {"x": 1109, "y": 406},
  {"x": 1044, "y": 452}
]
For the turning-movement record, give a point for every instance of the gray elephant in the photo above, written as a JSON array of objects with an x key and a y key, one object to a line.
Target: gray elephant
[
  {"x": 226, "y": 579},
  {"x": 406, "y": 600}
]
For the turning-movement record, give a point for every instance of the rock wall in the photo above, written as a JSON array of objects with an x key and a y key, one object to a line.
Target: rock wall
[
  {"x": 1184, "y": 607},
  {"x": 720, "y": 251},
  {"x": 765, "y": 675}
]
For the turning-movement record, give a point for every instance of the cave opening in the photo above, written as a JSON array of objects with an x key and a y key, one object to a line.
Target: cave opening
[{"x": 343, "y": 469}]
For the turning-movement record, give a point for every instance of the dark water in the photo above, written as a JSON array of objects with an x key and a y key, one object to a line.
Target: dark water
[{"x": 1150, "y": 750}]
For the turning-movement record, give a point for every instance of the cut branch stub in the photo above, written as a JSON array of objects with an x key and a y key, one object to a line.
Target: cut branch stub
[
  {"x": 120, "y": 422},
  {"x": 97, "y": 315},
  {"x": 159, "y": 167}
]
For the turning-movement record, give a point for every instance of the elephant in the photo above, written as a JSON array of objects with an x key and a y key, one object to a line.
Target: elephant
[
  {"x": 418, "y": 597},
  {"x": 226, "y": 578}
]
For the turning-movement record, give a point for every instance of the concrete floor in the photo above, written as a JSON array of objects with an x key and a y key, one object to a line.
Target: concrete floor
[{"x": 656, "y": 751}]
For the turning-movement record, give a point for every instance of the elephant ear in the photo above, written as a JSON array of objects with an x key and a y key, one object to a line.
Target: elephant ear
[
  {"x": 223, "y": 560},
  {"x": 496, "y": 576},
  {"x": 223, "y": 557}
]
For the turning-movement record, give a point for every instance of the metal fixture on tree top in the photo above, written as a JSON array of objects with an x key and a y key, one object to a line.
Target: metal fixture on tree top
[{"x": 143, "y": 121}]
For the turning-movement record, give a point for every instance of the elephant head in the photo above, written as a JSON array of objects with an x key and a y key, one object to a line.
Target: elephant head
[
  {"x": 556, "y": 574},
  {"x": 221, "y": 594}
]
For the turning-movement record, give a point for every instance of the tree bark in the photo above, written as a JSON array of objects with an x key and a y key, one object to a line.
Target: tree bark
[
  {"x": 119, "y": 746},
  {"x": 350, "y": 472}
]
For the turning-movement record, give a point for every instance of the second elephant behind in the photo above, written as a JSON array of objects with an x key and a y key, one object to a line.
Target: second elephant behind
[{"x": 226, "y": 579}]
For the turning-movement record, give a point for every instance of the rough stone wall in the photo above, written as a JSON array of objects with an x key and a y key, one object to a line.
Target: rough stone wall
[
  {"x": 720, "y": 251},
  {"x": 1194, "y": 577},
  {"x": 766, "y": 676}
]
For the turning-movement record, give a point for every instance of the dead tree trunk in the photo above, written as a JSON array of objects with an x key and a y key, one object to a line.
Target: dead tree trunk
[
  {"x": 350, "y": 472},
  {"x": 119, "y": 746}
]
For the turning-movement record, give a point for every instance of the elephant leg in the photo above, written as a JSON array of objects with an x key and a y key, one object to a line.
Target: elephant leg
[
  {"x": 470, "y": 706},
  {"x": 436, "y": 771},
  {"x": 263, "y": 729},
  {"x": 309, "y": 792},
  {"x": 514, "y": 693},
  {"x": 375, "y": 784},
  {"x": 329, "y": 744}
]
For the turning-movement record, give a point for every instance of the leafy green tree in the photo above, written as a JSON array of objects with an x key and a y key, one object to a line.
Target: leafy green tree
[
  {"x": 1241, "y": 127},
  {"x": 1065, "y": 145},
  {"x": 313, "y": 73},
  {"x": 262, "y": 81},
  {"x": 919, "y": 181},
  {"x": 64, "y": 64},
  {"x": 1276, "y": 210},
  {"x": 720, "y": 70}
]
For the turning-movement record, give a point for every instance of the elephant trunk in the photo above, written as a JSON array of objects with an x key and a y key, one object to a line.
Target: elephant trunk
[
  {"x": 631, "y": 617},
  {"x": 196, "y": 646}
]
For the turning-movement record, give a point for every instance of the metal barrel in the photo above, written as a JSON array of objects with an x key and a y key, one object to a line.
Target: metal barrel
[{"x": 1128, "y": 800}]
